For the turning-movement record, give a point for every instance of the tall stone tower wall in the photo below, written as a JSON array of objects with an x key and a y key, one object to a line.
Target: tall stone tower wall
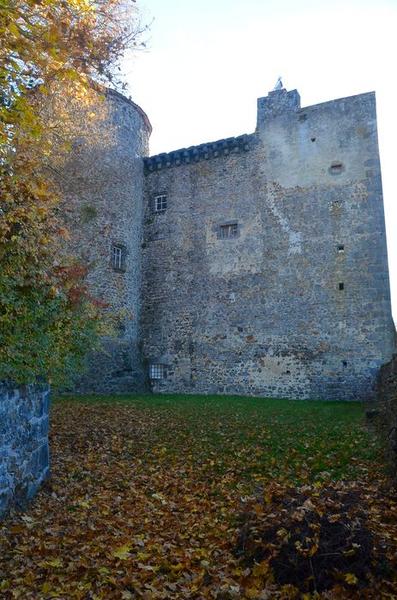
[
  {"x": 103, "y": 195},
  {"x": 267, "y": 272}
]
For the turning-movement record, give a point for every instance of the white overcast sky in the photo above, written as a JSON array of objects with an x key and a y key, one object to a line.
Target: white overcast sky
[{"x": 207, "y": 61}]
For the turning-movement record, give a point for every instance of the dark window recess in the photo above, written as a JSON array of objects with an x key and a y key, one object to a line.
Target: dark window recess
[
  {"x": 160, "y": 203},
  {"x": 157, "y": 371},
  {"x": 341, "y": 248},
  {"x": 121, "y": 328},
  {"x": 230, "y": 230},
  {"x": 313, "y": 139},
  {"x": 344, "y": 363},
  {"x": 336, "y": 168},
  {"x": 119, "y": 255},
  {"x": 341, "y": 286},
  {"x": 302, "y": 117}
]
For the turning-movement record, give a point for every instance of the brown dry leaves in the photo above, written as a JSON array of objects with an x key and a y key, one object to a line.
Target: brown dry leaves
[{"x": 127, "y": 514}]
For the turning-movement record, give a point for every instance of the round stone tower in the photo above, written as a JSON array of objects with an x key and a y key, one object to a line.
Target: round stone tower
[{"x": 102, "y": 188}]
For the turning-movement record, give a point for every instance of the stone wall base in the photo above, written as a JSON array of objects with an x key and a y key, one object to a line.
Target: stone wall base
[{"x": 24, "y": 454}]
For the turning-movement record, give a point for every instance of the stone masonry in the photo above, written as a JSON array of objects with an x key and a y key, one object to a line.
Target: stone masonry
[
  {"x": 24, "y": 461},
  {"x": 296, "y": 304},
  {"x": 102, "y": 187},
  {"x": 257, "y": 265},
  {"x": 384, "y": 412}
]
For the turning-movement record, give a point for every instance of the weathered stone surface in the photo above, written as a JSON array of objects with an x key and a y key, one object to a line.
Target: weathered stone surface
[
  {"x": 24, "y": 456},
  {"x": 386, "y": 409},
  {"x": 297, "y": 304},
  {"x": 102, "y": 187}
]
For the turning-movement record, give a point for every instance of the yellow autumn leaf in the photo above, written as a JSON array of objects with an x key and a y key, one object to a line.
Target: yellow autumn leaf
[
  {"x": 54, "y": 562},
  {"x": 260, "y": 569},
  {"x": 351, "y": 578},
  {"x": 252, "y": 593},
  {"x": 123, "y": 552},
  {"x": 13, "y": 29}
]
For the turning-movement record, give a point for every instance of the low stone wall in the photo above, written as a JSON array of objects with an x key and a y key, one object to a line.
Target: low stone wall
[
  {"x": 387, "y": 409},
  {"x": 387, "y": 385},
  {"x": 24, "y": 456}
]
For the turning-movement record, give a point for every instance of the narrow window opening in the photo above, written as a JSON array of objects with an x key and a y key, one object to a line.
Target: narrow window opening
[
  {"x": 230, "y": 230},
  {"x": 344, "y": 363},
  {"x": 157, "y": 371},
  {"x": 313, "y": 139},
  {"x": 341, "y": 286},
  {"x": 160, "y": 203},
  {"x": 303, "y": 117},
  {"x": 118, "y": 257},
  {"x": 341, "y": 248}
]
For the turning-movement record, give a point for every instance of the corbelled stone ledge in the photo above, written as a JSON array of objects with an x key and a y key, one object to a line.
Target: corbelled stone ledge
[{"x": 184, "y": 156}]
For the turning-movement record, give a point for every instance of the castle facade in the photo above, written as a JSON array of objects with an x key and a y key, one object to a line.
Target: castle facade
[{"x": 254, "y": 265}]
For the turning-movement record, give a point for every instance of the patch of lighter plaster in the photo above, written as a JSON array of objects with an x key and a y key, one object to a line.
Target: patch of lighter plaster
[{"x": 294, "y": 237}]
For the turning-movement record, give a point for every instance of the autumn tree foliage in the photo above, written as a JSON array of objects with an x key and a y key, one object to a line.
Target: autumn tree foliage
[{"x": 49, "y": 50}]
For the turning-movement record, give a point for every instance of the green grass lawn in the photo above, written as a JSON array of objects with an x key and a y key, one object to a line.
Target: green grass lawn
[{"x": 255, "y": 438}]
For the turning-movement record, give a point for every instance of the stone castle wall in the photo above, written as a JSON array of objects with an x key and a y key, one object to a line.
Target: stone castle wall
[
  {"x": 297, "y": 304},
  {"x": 24, "y": 463},
  {"x": 103, "y": 197}
]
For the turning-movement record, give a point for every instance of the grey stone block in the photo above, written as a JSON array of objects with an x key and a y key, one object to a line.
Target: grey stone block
[{"x": 24, "y": 460}]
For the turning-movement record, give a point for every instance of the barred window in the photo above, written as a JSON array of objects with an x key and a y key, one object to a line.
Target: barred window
[
  {"x": 229, "y": 230},
  {"x": 157, "y": 371},
  {"x": 160, "y": 203},
  {"x": 118, "y": 257}
]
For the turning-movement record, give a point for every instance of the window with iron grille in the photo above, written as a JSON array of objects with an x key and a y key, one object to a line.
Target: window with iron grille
[
  {"x": 157, "y": 371},
  {"x": 118, "y": 257},
  {"x": 160, "y": 203},
  {"x": 229, "y": 230}
]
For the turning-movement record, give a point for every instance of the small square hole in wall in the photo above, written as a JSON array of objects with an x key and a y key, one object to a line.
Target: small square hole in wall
[
  {"x": 341, "y": 248},
  {"x": 344, "y": 363},
  {"x": 313, "y": 139},
  {"x": 336, "y": 168},
  {"x": 341, "y": 286}
]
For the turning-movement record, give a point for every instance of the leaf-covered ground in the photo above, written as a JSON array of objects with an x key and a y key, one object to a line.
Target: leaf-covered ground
[{"x": 206, "y": 497}]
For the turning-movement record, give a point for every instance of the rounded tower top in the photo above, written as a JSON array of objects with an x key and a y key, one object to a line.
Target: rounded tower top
[{"x": 115, "y": 94}]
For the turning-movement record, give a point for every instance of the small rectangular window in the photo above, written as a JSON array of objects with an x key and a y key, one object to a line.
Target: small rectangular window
[
  {"x": 230, "y": 230},
  {"x": 160, "y": 203},
  {"x": 341, "y": 286},
  {"x": 341, "y": 248},
  {"x": 157, "y": 371},
  {"x": 118, "y": 257}
]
